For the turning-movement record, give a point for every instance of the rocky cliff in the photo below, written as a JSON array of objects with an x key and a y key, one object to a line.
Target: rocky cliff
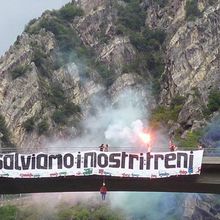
[{"x": 167, "y": 50}]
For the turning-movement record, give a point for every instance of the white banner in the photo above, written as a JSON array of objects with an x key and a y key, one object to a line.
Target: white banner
[{"x": 84, "y": 163}]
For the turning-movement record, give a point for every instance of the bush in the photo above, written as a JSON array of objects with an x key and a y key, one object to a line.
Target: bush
[
  {"x": 132, "y": 16},
  {"x": 131, "y": 21},
  {"x": 177, "y": 100},
  {"x": 70, "y": 11},
  {"x": 162, "y": 115},
  {"x": 42, "y": 127},
  {"x": 8, "y": 212},
  {"x": 214, "y": 101},
  {"x": 56, "y": 96},
  {"x": 192, "y": 10},
  {"x": 29, "y": 124},
  {"x": 59, "y": 117},
  {"x": 38, "y": 57},
  {"x": 6, "y": 136},
  {"x": 67, "y": 110},
  {"x": 19, "y": 71},
  {"x": 71, "y": 109},
  {"x": 191, "y": 141}
]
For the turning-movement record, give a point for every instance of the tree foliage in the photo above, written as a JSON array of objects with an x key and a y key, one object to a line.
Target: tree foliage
[
  {"x": 70, "y": 11},
  {"x": 42, "y": 127},
  {"x": 214, "y": 100},
  {"x": 29, "y": 124},
  {"x": 148, "y": 42},
  {"x": 19, "y": 71},
  {"x": 190, "y": 141},
  {"x": 5, "y": 134},
  {"x": 192, "y": 10}
]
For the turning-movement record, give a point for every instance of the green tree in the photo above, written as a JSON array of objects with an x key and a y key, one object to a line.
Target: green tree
[
  {"x": 19, "y": 71},
  {"x": 42, "y": 127},
  {"x": 132, "y": 16},
  {"x": 59, "y": 117},
  {"x": 70, "y": 11},
  {"x": 5, "y": 135},
  {"x": 190, "y": 141},
  {"x": 214, "y": 100},
  {"x": 29, "y": 124}
]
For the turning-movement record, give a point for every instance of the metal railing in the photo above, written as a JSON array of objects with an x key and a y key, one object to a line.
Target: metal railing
[{"x": 207, "y": 151}]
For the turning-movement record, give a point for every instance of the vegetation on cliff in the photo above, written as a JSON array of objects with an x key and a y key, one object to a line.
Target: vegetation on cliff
[{"x": 148, "y": 42}]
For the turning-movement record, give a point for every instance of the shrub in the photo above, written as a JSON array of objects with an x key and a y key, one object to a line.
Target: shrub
[
  {"x": 6, "y": 134},
  {"x": 8, "y": 212},
  {"x": 214, "y": 101},
  {"x": 162, "y": 115},
  {"x": 56, "y": 96},
  {"x": 192, "y": 10},
  {"x": 131, "y": 21},
  {"x": 59, "y": 117},
  {"x": 38, "y": 57},
  {"x": 70, "y": 11},
  {"x": 177, "y": 100},
  {"x": 131, "y": 16},
  {"x": 42, "y": 127},
  {"x": 71, "y": 109},
  {"x": 190, "y": 141},
  {"x": 29, "y": 124},
  {"x": 19, "y": 71}
]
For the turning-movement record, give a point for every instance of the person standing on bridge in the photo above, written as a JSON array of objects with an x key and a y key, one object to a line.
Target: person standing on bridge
[
  {"x": 103, "y": 191},
  {"x": 106, "y": 147},
  {"x": 102, "y": 147},
  {"x": 172, "y": 146}
]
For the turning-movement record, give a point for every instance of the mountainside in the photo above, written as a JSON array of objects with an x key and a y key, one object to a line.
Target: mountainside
[{"x": 166, "y": 51}]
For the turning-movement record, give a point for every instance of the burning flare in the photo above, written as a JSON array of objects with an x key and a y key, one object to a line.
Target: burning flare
[{"x": 145, "y": 137}]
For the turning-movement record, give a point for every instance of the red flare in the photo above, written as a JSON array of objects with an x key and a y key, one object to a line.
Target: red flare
[{"x": 145, "y": 137}]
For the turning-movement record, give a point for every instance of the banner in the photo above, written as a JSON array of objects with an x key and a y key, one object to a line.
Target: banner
[{"x": 84, "y": 163}]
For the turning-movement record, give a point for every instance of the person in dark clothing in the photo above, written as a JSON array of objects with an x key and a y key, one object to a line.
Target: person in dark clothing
[
  {"x": 102, "y": 147},
  {"x": 103, "y": 191}
]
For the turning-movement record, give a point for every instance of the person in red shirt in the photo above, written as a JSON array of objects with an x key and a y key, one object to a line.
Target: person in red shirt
[{"x": 103, "y": 191}]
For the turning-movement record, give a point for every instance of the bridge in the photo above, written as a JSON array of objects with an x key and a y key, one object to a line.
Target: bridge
[{"x": 207, "y": 182}]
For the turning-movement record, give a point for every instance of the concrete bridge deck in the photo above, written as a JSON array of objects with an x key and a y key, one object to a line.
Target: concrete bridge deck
[{"x": 207, "y": 182}]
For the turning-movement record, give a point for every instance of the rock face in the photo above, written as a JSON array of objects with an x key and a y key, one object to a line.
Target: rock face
[
  {"x": 24, "y": 96},
  {"x": 200, "y": 207},
  {"x": 191, "y": 54},
  {"x": 193, "y": 63}
]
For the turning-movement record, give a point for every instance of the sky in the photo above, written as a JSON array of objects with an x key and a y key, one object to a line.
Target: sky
[{"x": 15, "y": 14}]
